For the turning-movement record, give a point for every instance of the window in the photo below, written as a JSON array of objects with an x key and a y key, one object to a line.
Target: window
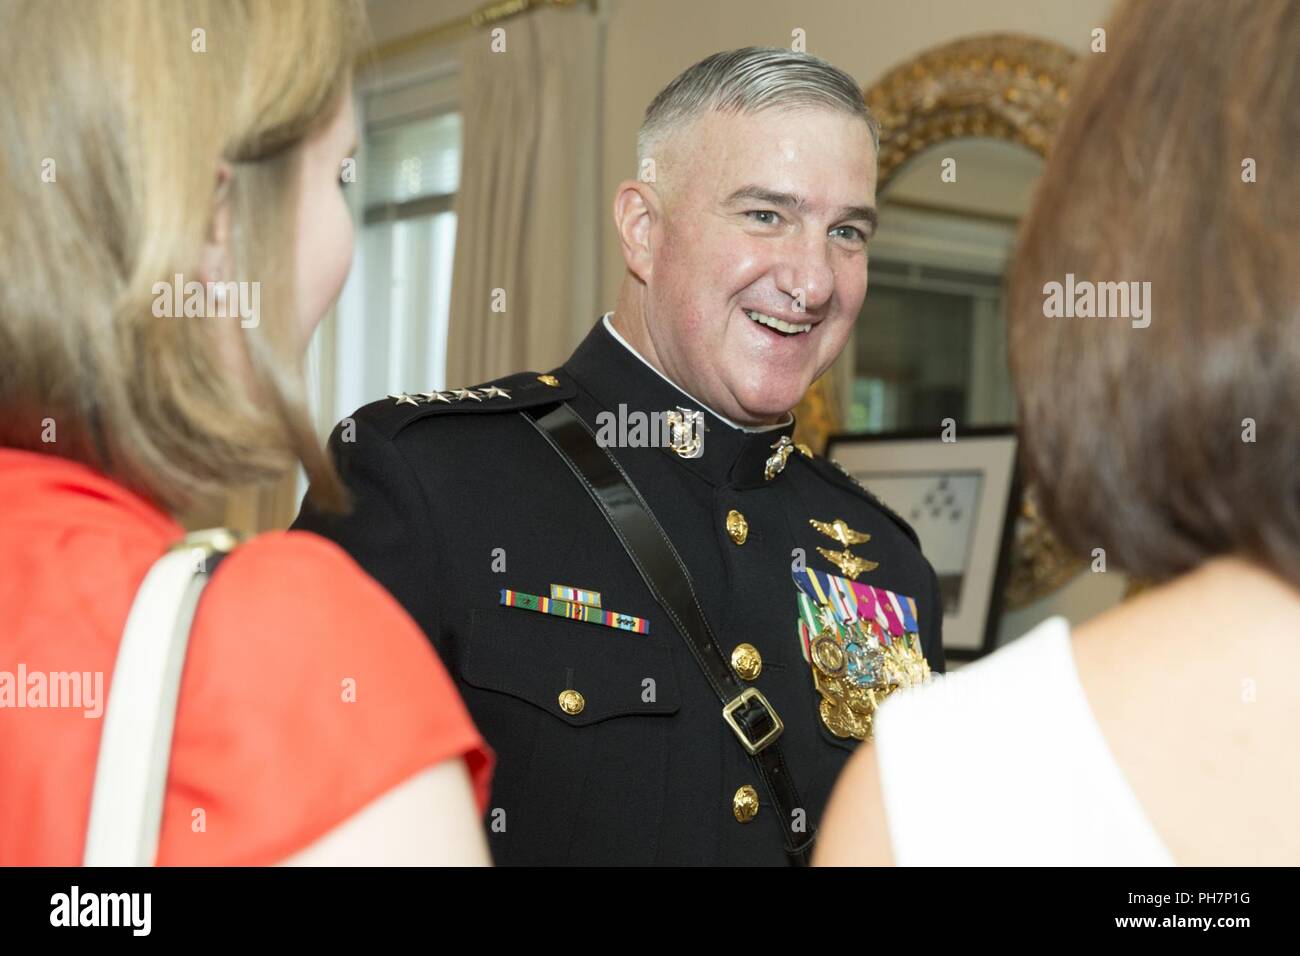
[{"x": 389, "y": 331}]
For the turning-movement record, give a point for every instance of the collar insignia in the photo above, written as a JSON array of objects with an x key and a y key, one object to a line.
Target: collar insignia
[
  {"x": 781, "y": 448},
  {"x": 686, "y": 432}
]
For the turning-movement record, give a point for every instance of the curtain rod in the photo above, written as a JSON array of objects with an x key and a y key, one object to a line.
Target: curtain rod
[{"x": 485, "y": 16}]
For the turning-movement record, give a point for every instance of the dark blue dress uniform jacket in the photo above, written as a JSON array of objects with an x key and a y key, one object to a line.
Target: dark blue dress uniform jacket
[{"x": 447, "y": 493}]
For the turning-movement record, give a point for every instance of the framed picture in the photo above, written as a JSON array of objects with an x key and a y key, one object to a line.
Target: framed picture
[{"x": 962, "y": 497}]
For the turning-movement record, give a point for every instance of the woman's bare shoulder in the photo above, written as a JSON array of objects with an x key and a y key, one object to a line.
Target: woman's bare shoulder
[{"x": 1192, "y": 686}]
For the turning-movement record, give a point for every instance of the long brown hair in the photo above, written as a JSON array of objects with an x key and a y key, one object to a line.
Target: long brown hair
[{"x": 1171, "y": 443}]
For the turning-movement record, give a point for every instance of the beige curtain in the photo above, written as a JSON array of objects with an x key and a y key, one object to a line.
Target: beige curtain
[{"x": 527, "y": 207}]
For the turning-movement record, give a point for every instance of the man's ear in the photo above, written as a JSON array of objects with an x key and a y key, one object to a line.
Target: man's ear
[
  {"x": 216, "y": 260},
  {"x": 637, "y": 208}
]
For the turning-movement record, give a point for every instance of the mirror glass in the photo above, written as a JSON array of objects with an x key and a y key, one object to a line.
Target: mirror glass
[{"x": 930, "y": 342}]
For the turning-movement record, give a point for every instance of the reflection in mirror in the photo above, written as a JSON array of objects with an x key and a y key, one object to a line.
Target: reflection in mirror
[{"x": 930, "y": 342}]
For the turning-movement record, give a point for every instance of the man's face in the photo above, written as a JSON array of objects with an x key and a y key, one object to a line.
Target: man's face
[{"x": 766, "y": 218}]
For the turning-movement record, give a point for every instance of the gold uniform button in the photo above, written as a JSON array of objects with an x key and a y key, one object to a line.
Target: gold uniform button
[
  {"x": 746, "y": 661},
  {"x": 571, "y": 702},
  {"x": 737, "y": 526},
  {"x": 550, "y": 380},
  {"x": 745, "y": 804}
]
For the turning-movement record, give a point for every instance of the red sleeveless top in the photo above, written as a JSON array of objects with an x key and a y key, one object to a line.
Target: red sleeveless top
[{"x": 307, "y": 692}]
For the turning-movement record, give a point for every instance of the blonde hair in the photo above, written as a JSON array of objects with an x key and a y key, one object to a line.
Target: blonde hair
[{"x": 116, "y": 118}]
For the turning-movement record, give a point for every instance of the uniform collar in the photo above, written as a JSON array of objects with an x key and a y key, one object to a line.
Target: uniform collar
[
  {"x": 609, "y": 327},
  {"x": 615, "y": 374}
]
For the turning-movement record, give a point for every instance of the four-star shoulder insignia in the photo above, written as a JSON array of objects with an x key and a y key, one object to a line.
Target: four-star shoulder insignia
[
  {"x": 452, "y": 396},
  {"x": 507, "y": 395},
  {"x": 519, "y": 390}
]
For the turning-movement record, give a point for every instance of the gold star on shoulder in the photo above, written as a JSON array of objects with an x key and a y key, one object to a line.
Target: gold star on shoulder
[
  {"x": 464, "y": 393},
  {"x": 404, "y": 399},
  {"x": 492, "y": 391},
  {"x": 432, "y": 397}
]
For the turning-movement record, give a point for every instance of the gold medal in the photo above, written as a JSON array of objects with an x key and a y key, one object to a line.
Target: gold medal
[
  {"x": 858, "y": 656},
  {"x": 828, "y": 655}
]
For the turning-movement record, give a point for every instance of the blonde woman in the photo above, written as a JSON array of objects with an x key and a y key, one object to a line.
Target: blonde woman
[{"x": 148, "y": 148}]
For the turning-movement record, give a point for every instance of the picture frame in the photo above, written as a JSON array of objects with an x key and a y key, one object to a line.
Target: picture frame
[{"x": 961, "y": 496}]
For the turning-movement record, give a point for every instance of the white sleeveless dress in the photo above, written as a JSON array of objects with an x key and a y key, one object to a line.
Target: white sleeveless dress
[{"x": 1002, "y": 763}]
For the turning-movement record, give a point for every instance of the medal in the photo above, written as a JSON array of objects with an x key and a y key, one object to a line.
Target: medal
[{"x": 861, "y": 642}]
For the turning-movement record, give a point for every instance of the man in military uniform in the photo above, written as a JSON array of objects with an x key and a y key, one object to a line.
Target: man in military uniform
[{"x": 558, "y": 563}]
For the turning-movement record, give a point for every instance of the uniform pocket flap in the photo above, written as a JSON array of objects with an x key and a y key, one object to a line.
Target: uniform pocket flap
[{"x": 600, "y": 672}]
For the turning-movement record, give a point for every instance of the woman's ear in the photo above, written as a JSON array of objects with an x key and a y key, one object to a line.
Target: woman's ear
[{"x": 216, "y": 261}]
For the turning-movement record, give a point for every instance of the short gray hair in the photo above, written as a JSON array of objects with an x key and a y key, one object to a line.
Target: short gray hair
[{"x": 746, "y": 81}]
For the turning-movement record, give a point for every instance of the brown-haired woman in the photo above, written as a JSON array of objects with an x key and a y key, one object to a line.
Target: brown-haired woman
[
  {"x": 204, "y": 139},
  {"x": 1164, "y": 731}
]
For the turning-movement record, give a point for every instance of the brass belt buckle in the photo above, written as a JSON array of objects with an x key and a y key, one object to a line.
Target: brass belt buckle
[{"x": 728, "y": 714}]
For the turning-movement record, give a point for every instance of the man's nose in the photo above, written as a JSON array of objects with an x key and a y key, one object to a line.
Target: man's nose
[{"x": 805, "y": 272}]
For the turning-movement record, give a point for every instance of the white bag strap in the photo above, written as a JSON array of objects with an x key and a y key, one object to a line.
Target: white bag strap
[{"x": 135, "y": 747}]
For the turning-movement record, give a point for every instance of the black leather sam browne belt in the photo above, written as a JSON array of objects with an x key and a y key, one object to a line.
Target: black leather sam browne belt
[{"x": 745, "y": 710}]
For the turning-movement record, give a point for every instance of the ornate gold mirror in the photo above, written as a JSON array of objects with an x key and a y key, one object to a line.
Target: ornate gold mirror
[{"x": 964, "y": 129}]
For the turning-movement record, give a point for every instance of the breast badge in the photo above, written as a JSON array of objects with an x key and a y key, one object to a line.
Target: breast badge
[
  {"x": 861, "y": 643},
  {"x": 850, "y": 564}
]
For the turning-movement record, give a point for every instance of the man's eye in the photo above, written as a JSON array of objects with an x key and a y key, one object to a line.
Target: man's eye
[
  {"x": 857, "y": 234},
  {"x": 765, "y": 212}
]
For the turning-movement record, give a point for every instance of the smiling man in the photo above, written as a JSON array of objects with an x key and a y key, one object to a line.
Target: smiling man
[
  {"x": 673, "y": 646},
  {"x": 747, "y": 257}
]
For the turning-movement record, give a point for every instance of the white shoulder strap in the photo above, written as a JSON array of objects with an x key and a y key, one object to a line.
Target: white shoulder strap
[{"x": 135, "y": 747}]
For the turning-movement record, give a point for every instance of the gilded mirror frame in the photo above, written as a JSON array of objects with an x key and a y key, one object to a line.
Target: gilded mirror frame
[{"x": 1001, "y": 86}]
